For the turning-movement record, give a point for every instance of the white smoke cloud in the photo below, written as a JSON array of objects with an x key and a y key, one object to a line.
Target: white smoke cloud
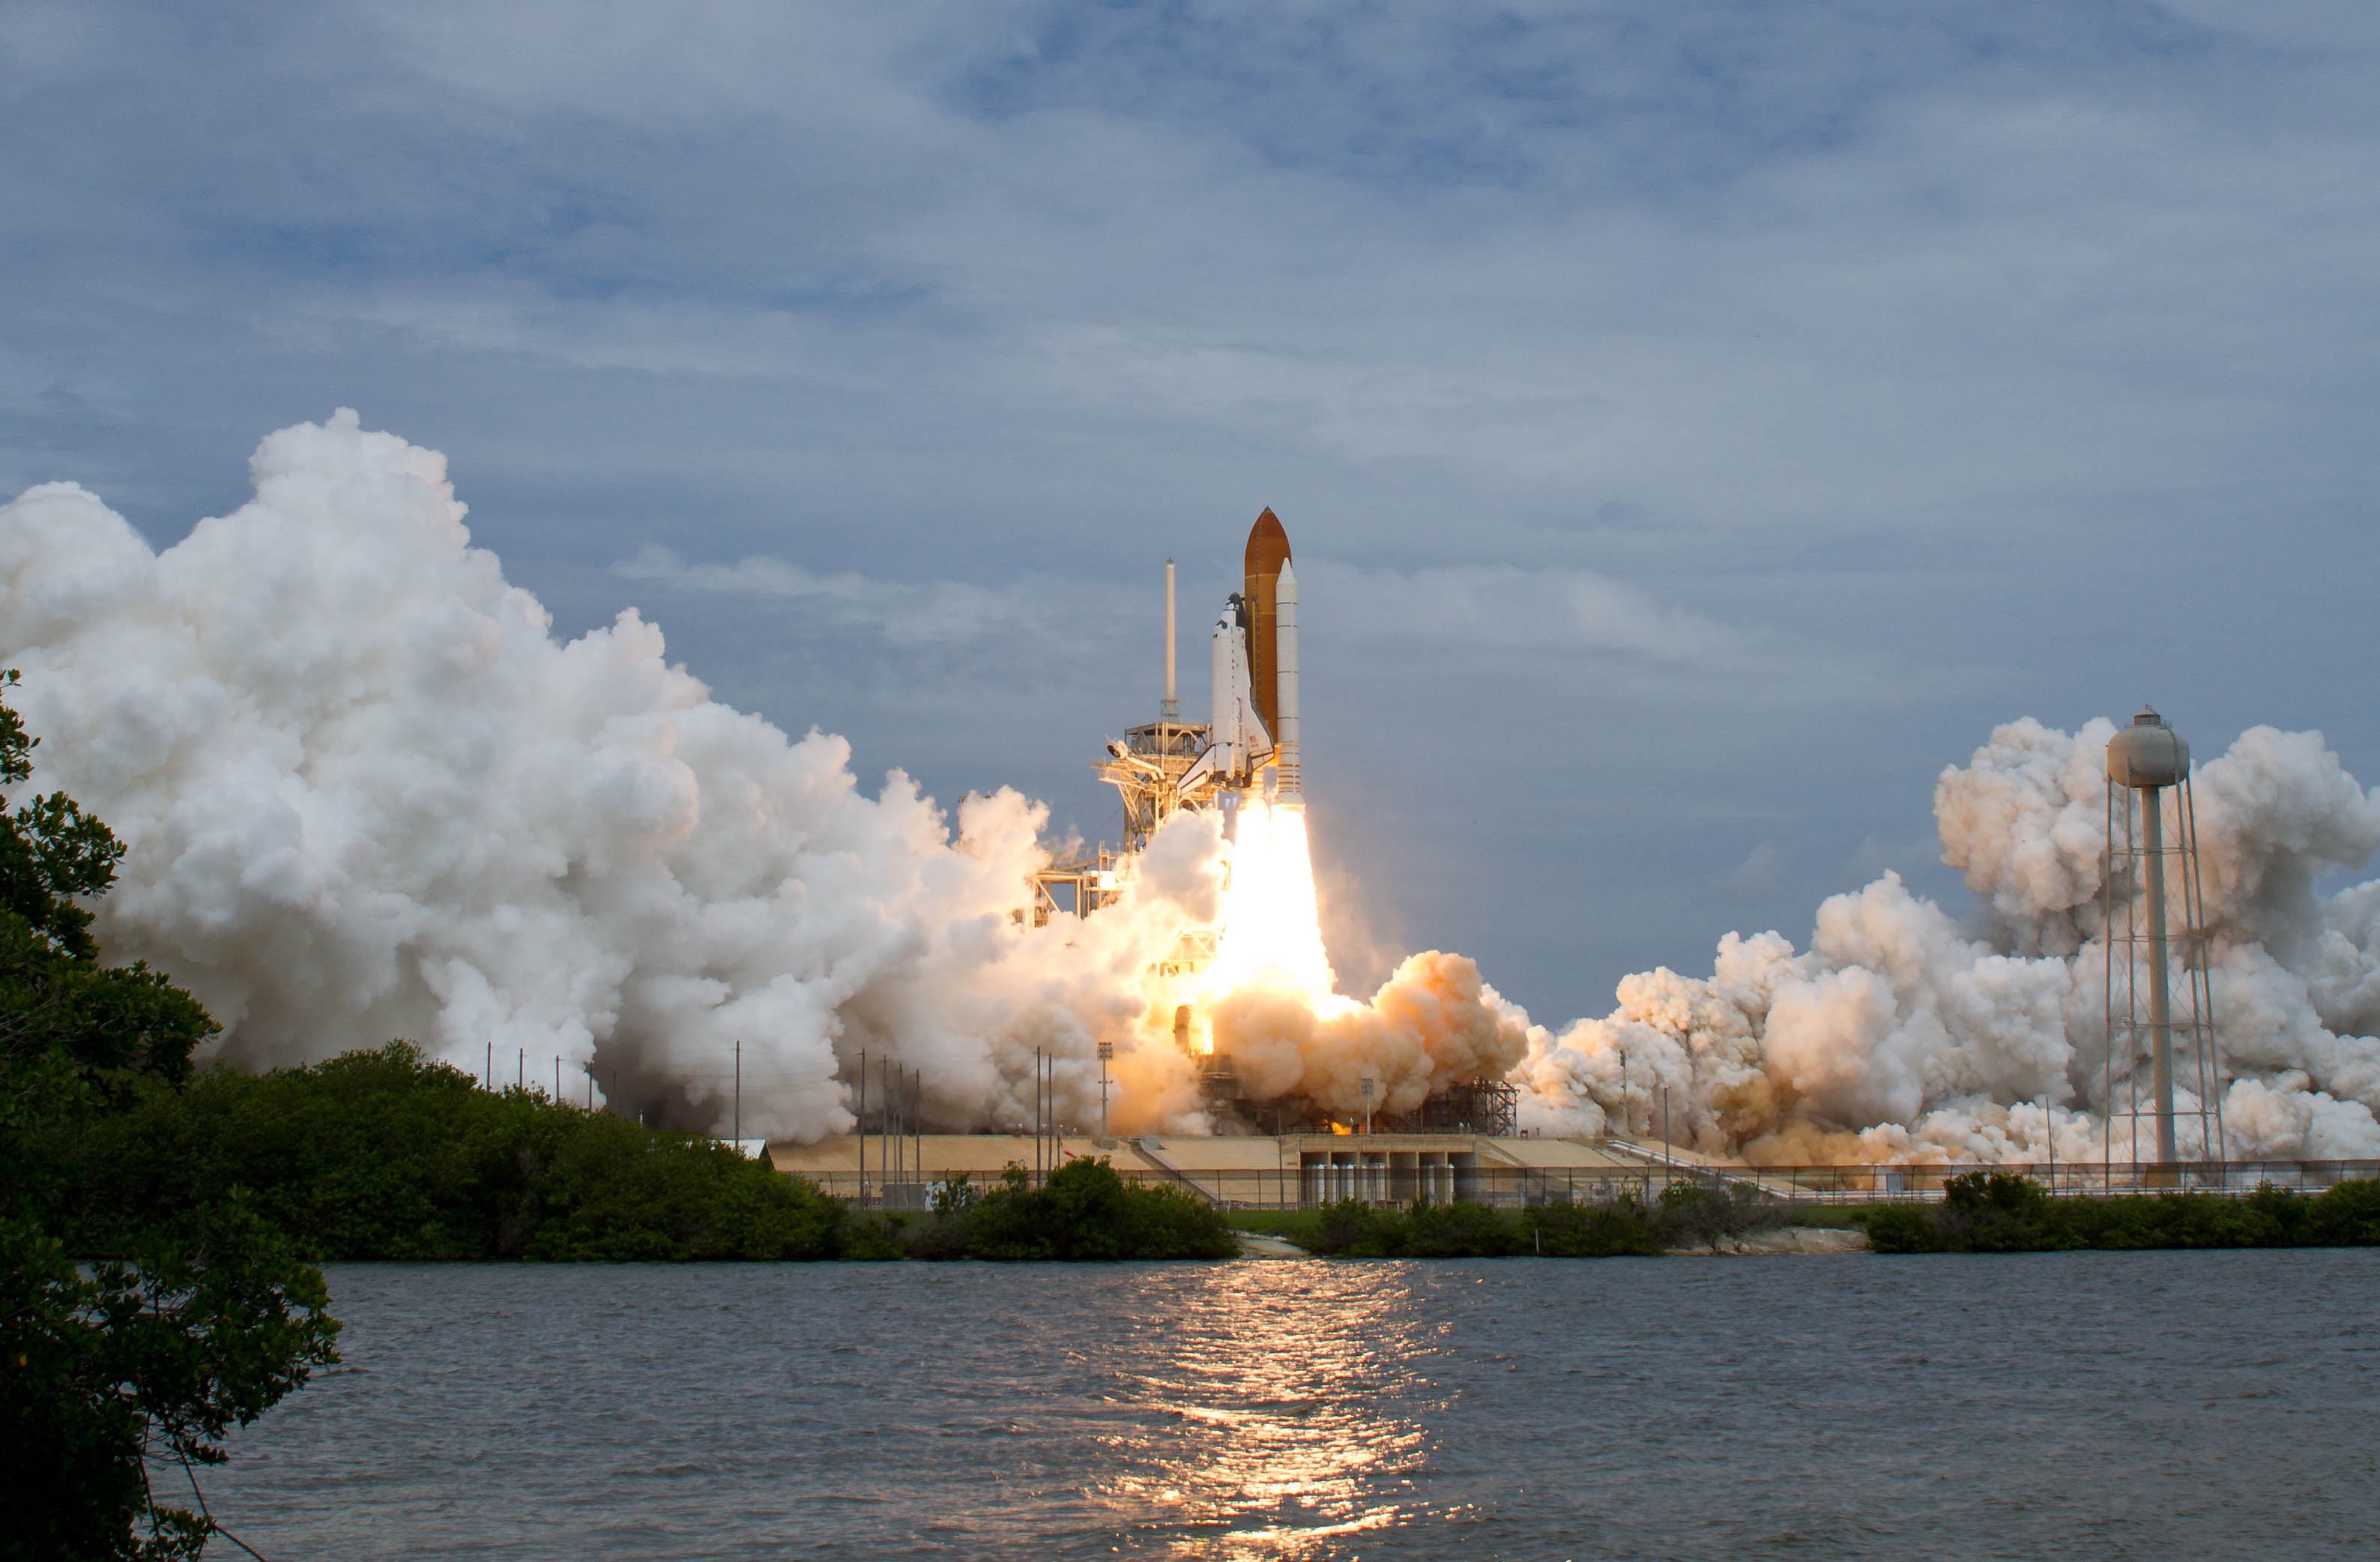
[
  {"x": 1900, "y": 1035},
  {"x": 366, "y": 793}
]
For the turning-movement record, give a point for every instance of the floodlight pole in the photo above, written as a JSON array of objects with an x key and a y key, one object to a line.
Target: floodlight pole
[{"x": 1367, "y": 1107}]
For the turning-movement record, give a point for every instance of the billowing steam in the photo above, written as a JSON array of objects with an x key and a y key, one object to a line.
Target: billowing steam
[
  {"x": 1901, "y": 1035},
  {"x": 367, "y": 794}
]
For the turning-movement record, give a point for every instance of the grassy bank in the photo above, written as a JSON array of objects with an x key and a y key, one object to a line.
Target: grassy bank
[{"x": 1994, "y": 1212}]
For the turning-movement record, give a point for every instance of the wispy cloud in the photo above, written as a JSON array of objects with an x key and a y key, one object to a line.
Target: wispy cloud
[
  {"x": 1503, "y": 607},
  {"x": 928, "y": 613}
]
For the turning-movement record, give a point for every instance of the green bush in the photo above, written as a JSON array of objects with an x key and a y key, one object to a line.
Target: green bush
[
  {"x": 1083, "y": 1212},
  {"x": 2346, "y": 1217},
  {"x": 1620, "y": 1229},
  {"x": 1454, "y": 1230},
  {"x": 1355, "y": 1229},
  {"x": 1693, "y": 1212},
  {"x": 1997, "y": 1212},
  {"x": 1902, "y": 1228},
  {"x": 1352, "y": 1229}
]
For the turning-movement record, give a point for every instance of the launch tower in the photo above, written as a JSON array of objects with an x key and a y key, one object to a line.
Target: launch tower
[
  {"x": 1161, "y": 766},
  {"x": 1168, "y": 765}
]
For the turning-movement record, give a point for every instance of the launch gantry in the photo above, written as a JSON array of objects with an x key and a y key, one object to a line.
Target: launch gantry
[
  {"x": 1164, "y": 767},
  {"x": 1168, "y": 765}
]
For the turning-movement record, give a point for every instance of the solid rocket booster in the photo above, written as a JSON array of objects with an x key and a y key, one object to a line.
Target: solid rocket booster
[{"x": 1286, "y": 787}]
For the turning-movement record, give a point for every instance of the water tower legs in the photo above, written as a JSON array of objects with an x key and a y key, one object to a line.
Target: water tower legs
[{"x": 2160, "y": 985}]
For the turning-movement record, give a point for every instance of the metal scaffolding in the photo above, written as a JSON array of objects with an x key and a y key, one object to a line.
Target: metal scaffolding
[{"x": 1157, "y": 769}]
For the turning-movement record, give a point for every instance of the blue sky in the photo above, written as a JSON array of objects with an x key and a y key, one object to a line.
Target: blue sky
[{"x": 1698, "y": 424}]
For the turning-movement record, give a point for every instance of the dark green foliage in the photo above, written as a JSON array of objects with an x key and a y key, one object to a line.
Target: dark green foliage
[
  {"x": 1692, "y": 1212},
  {"x": 1083, "y": 1212},
  {"x": 2346, "y": 1217},
  {"x": 880, "y": 1236},
  {"x": 1355, "y": 1229},
  {"x": 1455, "y": 1230},
  {"x": 384, "y": 1155},
  {"x": 50, "y": 853},
  {"x": 1901, "y": 1229},
  {"x": 55, "y": 996},
  {"x": 1352, "y": 1229},
  {"x": 162, "y": 1354},
  {"x": 1620, "y": 1229},
  {"x": 201, "y": 1319},
  {"x": 1994, "y": 1211}
]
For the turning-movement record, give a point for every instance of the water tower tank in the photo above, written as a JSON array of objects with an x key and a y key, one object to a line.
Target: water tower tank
[{"x": 2148, "y": 753}]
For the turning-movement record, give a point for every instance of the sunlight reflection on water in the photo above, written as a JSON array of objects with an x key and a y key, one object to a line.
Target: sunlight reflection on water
[
  {"x": 1291, "y": 1412},
  {"x": 2145, "y": 1405}
]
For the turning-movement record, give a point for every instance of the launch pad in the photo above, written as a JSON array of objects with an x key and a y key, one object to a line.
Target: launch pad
[{"x": 1241, "y": 765}]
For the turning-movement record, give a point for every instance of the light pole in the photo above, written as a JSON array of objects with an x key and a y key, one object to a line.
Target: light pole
[
  {"x": 1367, "y": 1107},
  {"x": 1107, "y": 1051}
]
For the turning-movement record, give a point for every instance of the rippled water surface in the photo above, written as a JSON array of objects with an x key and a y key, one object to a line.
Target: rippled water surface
[{"x": 2155, "y": 1405}]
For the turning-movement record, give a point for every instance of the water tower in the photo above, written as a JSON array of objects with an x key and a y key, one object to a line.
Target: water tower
[{"x": 2152, "y": 849}]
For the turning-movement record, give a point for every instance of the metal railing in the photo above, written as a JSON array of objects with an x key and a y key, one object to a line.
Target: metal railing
[
  {"x": 1519, "y": 1187},
  {"x": 2065, "y": 1179}
]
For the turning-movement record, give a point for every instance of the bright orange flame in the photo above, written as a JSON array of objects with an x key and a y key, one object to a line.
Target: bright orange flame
[{"x": 1272, "y": 930}]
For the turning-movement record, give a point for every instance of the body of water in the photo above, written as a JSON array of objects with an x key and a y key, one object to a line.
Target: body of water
[{"x": 2148, "y": 1405}]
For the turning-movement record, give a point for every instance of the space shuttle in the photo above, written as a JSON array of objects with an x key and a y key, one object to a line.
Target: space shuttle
[{"x": 1254, "y": 725}]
